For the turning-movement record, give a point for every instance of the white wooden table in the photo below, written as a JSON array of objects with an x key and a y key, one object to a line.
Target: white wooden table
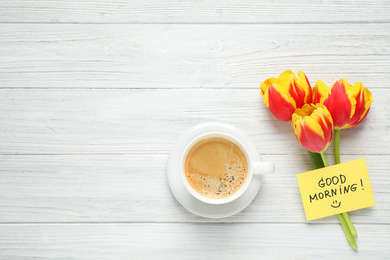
[{"x": 95, "y": 93}]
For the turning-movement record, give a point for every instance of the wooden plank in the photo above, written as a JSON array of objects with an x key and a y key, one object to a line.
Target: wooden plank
[
  {"x": 120, "y": 121},
  {"x": 189, "y": 56},
  {"x": 174, "y": 11},
  {"x": 189, "y": 241},
  {"x": 134, "y": 188}
]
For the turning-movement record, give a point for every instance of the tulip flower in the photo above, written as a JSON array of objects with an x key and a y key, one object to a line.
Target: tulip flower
[
  {"x": 313, "y": 127},
  {"x": 286, "y": 93},
  {"x": 317, "y": 115},
  {"x": 347, "y": 104}
]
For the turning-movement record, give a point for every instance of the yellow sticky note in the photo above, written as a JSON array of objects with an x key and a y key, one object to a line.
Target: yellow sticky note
[{"x": 336, "y": 189}]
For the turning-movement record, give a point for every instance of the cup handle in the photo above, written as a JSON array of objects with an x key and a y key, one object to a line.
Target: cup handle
[{"x": 263, "y": 167}]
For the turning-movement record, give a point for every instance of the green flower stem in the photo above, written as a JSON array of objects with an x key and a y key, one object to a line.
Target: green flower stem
[
  {"x": 342, "y": 219},
  {"x": 336, "y": 146},
  {"x": 323, "y": 157},
  {"x": 337, "y": 160},
  {"x": 347, "y": 232},
  {"x": 350, "y": 225}
]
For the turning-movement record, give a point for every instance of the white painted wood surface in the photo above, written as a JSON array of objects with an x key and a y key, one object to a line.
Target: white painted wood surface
[
  {"x": 187, "y": 241},
  {"x": 93, "y": 96},
  {"x": 174, "y": 11},
  {"x": 190, "y": 55}
]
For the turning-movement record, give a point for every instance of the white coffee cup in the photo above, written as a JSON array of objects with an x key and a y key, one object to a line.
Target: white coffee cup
[{"x": 255, "y": 166}]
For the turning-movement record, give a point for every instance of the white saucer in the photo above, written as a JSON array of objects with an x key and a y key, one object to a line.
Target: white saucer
[{"x": 185, "y": 198}]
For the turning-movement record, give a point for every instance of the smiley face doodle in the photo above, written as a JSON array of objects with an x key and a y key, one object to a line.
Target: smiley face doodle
[{"x": 335, "y": 204}]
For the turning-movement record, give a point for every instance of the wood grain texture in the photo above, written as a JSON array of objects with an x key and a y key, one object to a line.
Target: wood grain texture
[
  {"x": 93, "y": 95},
  {"x": 190, "y": 241},
  {"x": 134, "y": 188},
  {"x": 175, "y": 11},
  {"x": 100, "y": 121},
  {"x": 190, "y": 56}
]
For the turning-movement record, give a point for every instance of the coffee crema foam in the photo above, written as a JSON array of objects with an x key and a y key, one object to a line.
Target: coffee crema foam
[{"x": 216, "y": 167}]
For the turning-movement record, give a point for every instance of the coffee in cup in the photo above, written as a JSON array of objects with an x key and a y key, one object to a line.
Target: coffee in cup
[{"x": 216, "y": 167}]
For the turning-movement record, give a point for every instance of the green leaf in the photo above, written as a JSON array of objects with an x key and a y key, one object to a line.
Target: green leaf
[{"x": 316, "y": 160}]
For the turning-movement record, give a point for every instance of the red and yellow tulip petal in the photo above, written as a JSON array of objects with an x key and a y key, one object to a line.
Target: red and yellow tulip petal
[
  {"x": 264, "y": 85},
  {"x": 297, "y": 94},
  {"x": 347, "y": 104},
  {"x": 305, "y": 84},
  {"x": 287, "y": 76},
  {"x": 299, "y": 88},
  {"x": 285, "y": 94},
  {"x": 339, "y": 104},
  {"x": 359, "y": 117},
  {"x": 280, "y": 105},
  {"x": 313, "y": 127},
  {"x": 368, "y": 100},
  {"x": 320, "y": 92},
  {"x": 311, "y": 135},
  {"x": 356, "y": 92},
  {"x": 322, "y": 116}
]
